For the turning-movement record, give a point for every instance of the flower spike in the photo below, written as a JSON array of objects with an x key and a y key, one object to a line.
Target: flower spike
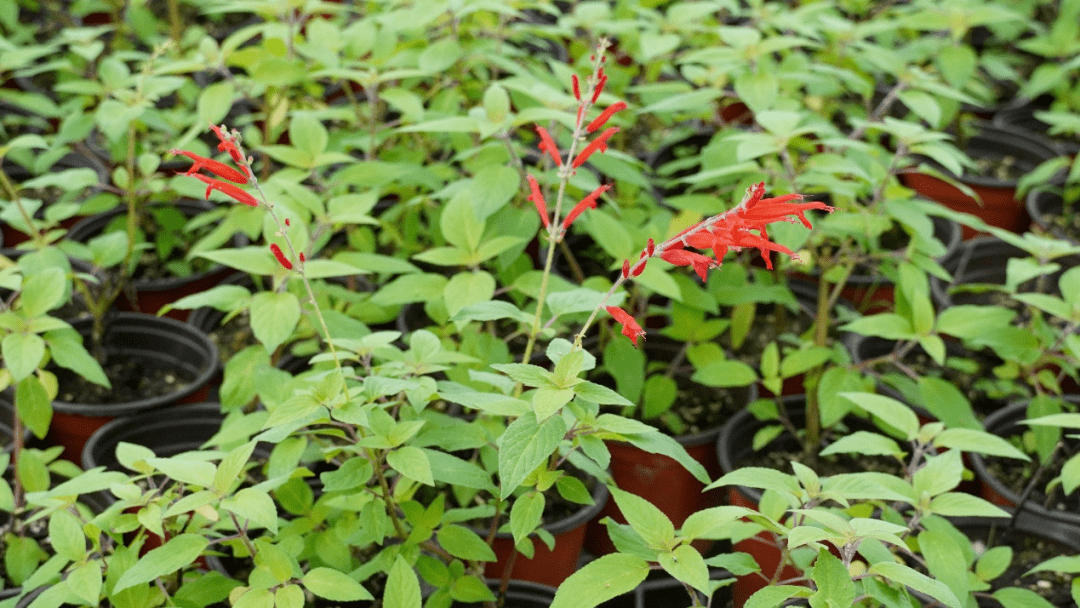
[
  {"x": 228, "y": 143},
  {"x": 600, "y": 143},
  {"x": 589, "y": 202}
]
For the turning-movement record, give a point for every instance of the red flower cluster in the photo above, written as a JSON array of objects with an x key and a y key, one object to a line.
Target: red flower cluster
[
  {"x": 743, "y": 226},
  {"x": 227, "y": 144}
]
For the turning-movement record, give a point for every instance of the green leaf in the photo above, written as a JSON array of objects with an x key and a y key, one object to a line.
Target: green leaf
[
  {"x": 524, "y": 445},
  {"x": 462, "y": 542},
  {"x": 758, "y": 477},
  {"x": 175, "y": 554},
  {"x": 526, "y": 514},
  {"x": 85, "y": 582},
  {"x": 274, "y": 317},
  {"x": 195, "y": 472},
  {"x": 971, "y": 440},
  {"x": 646, "y": 519},
  {"x": 655, "y": 442},
  {"x": 707, "y": 523},
  {"x": 940, "y": 474},
  {"x": 308, "y": 134},
  {"x": 1018, "y": 597},
  {"x": 884, "y": 325},
  {"x": 252, "y": 260},
  {"x": 548, "y": 401},
  {"x": 411, "y": 462},
  {"x": 529, "y": 375},
  {"x": 43, "y": 291},
  {"x": 687, "y": 565},
  {"x": 402, "y": 586},
  {"x": 945, "y": 561},
  {"x": 864, "y": 443},
  {"x": 905, "y": 575},
  {"x": 67, "y": 535},
  {"x": 230, "y": 467},
  {"x": 467, "y": 288},
  {"x": 333, "y": 585},
  {"x": 67, "y": 350},
  {"x": 600, "y": 580},
  {"x": 254, "y": 505},
  {"x": 834, "y": 584},
  {"x": 600, "y": 394},
  {"x": 890, "y": 411},
  {"x": 410, "y": 288},
  {"x": 993, "y": 563},
  {"x": 957, "y": 504},
  {"x": 725, "y": 373},
  {"x": 22, "y": 353},
  {"x": 352, "y": 473},
  {"x": 33, "y": 405},
  {"x": 773, "y": 596}
]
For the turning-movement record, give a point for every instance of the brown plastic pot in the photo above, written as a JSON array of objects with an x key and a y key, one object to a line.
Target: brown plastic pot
[
  {"x": 140, "y": 337},
  {"x": 548, "y": 566},
  {"x": 999, "y": 205}
]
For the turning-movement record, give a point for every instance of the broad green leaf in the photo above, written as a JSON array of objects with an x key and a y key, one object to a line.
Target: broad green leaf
[
  {"x": 775, "y": 595},
  {"x": 43, "y": 291},
  {"x": 758, "y": 477},
  {"x": 254, "y": 505},
  {"x": 600, "y": 580},
  {"x": 524, "y": 445},
  {"x": 85, "y": 582},
  {"x": 957, "y": 504},
  {"x": 33, "y": 405},
  {"x": 411, "y": 462},
  {"x": 834, "y": 584},
  {"x": 402, "y": 586},
  {"x": 890, "y": 411},
  {"x": 22, "y": 353},
  {"x": 462, "y": 542},
  {"x": 333, "y": 585},
  {"x": 687, "y": 566},
  {"x": 67, "y": 535},
  {"x": 971, "y": 440},
  {"x": 864, "y": 443},
  {"x": 526, "y": 514},
  {"x": 195, "y": 472},
  {"x": 940, "y": 474},
  {"x": 548, "y": 401},
  {"x": 905, "y": 575},
  {"x": 708, "y": 522},
  {"x": 274, "y": 317},
  {"x": 177, "y": 553},
  {"x": 646, "y": 519}
]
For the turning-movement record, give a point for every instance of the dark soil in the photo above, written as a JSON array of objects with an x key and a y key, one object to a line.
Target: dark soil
[
  {"x": 1017, "y": 475},
  {"x": 132, "y": 379},
  {"x": 1028, "y": 552}
]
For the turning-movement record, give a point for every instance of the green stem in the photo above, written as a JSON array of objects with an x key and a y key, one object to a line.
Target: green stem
[{"x": 13, "y": 194}]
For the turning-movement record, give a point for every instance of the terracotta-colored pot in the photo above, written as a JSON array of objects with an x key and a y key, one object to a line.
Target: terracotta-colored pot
[
  {"x": 999, "y": 205},
  {"x": 152, "y": 294},
  {"x": 548, "y": 566}
]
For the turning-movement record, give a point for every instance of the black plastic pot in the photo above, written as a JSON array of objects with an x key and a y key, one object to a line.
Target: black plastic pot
[
  {"x": 1008, "y": 422},
  {"x": 1047, "y": 211},
  {"x": 152, "y": 294},
  {"x": 519, "y": 594},
  {"x": 167, "y": 432},
  {"x": 143, "y": 340},
  {"x": 982, "y": 260},
  {"x": 1021, "y": 113}
]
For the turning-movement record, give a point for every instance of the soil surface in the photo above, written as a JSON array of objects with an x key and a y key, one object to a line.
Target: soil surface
[{"x": 132, "y": 379}]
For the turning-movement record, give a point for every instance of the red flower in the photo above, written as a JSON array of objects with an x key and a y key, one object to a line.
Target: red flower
[
  {"x": 630, "y": 327},
  {"x": 604, "y": 116},
  {"x": 548, "y": 145},
  {"x": 537, "y": 198},
  {"x": 682, "y": 257},
  {"x": 599, "y": 85},
  {"x": 226, "y": 188},
  {"x": 589, "y": 202},
  {"x": 213, "y": 166},
  {"x": 228, "y": 143},
  {"x": 577, "y": 87},
  {"x": 280, "y": 255},
  {"x": 600, "y": 143}
]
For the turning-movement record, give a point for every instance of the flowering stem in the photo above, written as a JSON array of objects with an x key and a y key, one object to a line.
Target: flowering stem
[{"x": 555, "y": 230}]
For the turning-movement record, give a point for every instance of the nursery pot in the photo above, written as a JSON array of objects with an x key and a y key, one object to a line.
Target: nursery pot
[
  {"x": 519, "y": 594},
  {"x": 146, "y": 345},
  {"x": 152, "y": 294},
  {"x": 548, "y": 566},
  {"x": 662, "y": 481},
  {"x": 661, "y": 590},
  {"x": 1008, "y": 147},
  {"x": 1008, "y": 422},
  {"x": 1048, "y": 212}
]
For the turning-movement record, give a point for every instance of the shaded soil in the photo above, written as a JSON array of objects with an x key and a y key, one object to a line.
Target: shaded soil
[
  {"x": 132, "y": 380},
  {"x": 1028, "y": 552}
]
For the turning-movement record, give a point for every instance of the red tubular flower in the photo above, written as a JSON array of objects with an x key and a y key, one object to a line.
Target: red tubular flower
[
  {"x": 213, "y": 166},
  {"x": 601, "y": 81},
  {"x": 589, "y": 202},
  {"x": 630, "y": 327},
  {"x": 763, "y": 244},
  {"x": 228, "y": 143},
  {"x": 682, "y": 257},
  {"x": 548, "y": 145},
  {"x": 626, "y": 269},
  {"x": 537, "y": 198},
  {"x": 280, "y": 255},
  {"x": 600, "y": 143},
  {"x": 650, "y": 247},
  {"x": 236, "y": 193},
  {"x": 639, "y": 268},
  {"x": 605, "y": 115},
  {"x": 577, "y": 87}
]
